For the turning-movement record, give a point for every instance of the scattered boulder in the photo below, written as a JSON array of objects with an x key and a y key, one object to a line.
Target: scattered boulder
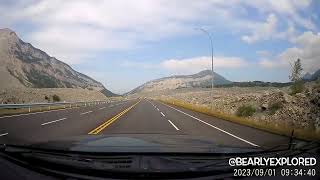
[{"x": 275, "y": 105}]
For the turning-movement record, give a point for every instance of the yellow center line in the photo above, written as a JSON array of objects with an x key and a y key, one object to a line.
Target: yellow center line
[{"x": 110, "y": 121}]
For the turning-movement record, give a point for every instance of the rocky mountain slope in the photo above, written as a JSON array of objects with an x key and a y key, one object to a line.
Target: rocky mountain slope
[
  {"x": 201, "y": 79},
  {"x": 312, "y": 77},
  {"x": 23, "y": 65}
]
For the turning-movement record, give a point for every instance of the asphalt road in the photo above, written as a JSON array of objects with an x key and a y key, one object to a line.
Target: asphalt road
[{"x": 133, "y": 116}]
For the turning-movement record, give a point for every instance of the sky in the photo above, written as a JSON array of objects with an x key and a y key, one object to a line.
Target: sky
[{"x": 124, "y": 43}]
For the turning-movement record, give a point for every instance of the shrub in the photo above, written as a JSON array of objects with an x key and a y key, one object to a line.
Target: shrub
[
  {"x": 245, "y": 111},
  {"x": 297, "y": 87},
  {"x": 274, "y": 107},
  {"x": 56, "y": 98},
  {"x": 46, "y": 97},
  {"x": 295, "y": 77}
]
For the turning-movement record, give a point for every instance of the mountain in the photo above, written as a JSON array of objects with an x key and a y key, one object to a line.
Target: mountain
[
  {"x": 201, "y": 79},
  {"x": 312, "y": 77},
  {"x": 108, "y": 93},
  {"x": 307, "y": 76},
  {"x": 23, "y": 65}
]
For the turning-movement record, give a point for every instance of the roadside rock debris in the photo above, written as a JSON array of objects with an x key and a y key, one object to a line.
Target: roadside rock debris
[{"x": 273, "y": 105}]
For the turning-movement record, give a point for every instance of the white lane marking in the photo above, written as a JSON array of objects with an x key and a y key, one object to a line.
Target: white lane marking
[
  {"x": 162, "y": 114},
  {"x": 4, "y": 134},
  {"x": 102, "y": 108},
  {"x": 86, "y": 112},
  {"x": 53, "y": 121},
  {"x": 17, "y": 115},
  {"x": 152, "y": 104},
  {"x": 174, "y": 125},
  {"x": 230, "y": 134},
  {"x": 158, "y": 109}
]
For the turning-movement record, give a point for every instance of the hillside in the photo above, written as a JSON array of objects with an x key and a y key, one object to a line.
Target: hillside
[
  {"x": 201, "y": 79},
  {"x": 44, "y": 95},
  {"x": 24, "y": 66},
  {"x": 312, "y": 77}
]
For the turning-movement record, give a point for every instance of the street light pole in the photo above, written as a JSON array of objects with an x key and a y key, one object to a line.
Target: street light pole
[{"x": 211, "y": 43}]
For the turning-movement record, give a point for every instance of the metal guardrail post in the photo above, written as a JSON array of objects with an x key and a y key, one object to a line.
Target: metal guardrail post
[{"x": 29, "y": 109}]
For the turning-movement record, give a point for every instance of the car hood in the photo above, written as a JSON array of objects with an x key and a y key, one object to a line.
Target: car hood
[{"x": 143, "y": 143}]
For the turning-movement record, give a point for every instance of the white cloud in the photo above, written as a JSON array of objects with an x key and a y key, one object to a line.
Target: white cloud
[
  {"x": 262, "y": 31},
  {"x": 196, "y": 64},
  {"x": 288, "y": 9},
  {"x": 269, "y": 30},
  {"x": 306, "y": 48},
  {"x": 267, "y": 63},
  {"x": 190, "y": 65},
  {"x": 65, "y": 28},
  {"x": 75, "y": 44}
]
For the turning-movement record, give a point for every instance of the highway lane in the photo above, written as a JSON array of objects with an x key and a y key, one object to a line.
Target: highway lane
[
  {"x": 135, "y": 116},
  {"x": 56, "y": 124},
  {"x": 143, "y": 118},
  {"x": 157, "y": 118},
  {"x": 221, "y": 130}
]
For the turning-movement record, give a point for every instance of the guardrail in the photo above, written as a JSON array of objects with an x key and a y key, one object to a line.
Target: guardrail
[{"x": 33, "y": 107}]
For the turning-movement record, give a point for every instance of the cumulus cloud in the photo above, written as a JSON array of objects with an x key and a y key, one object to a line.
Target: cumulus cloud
[
  {"x": 191, "y": 65},
  {"x": 200, "y": 63},
  {"x": 262, "y": 31},
  {"x": 65, "y": 27},
  {"x": 75, "y": 44},
  {"x": 306, "y": 48},
  {"x": 288, "y": 9},
  {"x": 269, "y": 30}
]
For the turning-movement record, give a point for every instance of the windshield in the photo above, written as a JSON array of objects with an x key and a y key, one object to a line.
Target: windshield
[{"x": 159, "y": 76}]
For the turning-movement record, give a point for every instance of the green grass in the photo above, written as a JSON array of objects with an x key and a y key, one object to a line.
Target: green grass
[
  {"x": 297, "y": 87},
  {"x": 56, "y": 98},
  {"x": 245, "y": 111},
  {"x": 280, "y": 127},
  {"x": 274, "y": 107}
]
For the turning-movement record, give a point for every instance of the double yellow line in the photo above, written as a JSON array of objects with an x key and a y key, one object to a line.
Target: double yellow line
[{"x": 108, "y": 122}]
